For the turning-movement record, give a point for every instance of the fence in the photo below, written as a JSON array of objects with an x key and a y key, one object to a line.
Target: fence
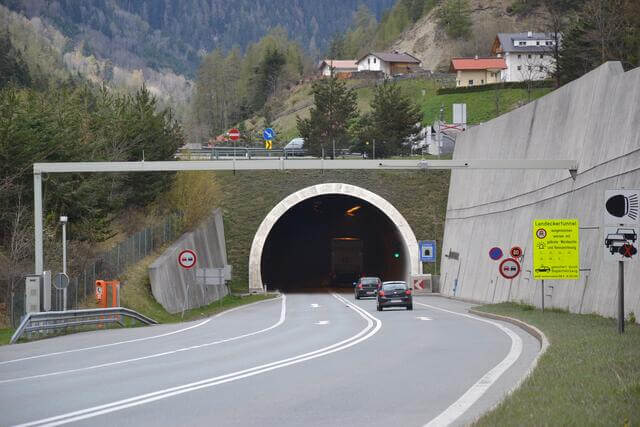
[{"x": 108, "y": 265}]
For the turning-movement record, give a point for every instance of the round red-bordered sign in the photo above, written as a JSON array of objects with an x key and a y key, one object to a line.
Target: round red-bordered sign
[
  {"x": 509, "y": 268},
  {"x": 541, "y": 233},
  {"x": 516, "y": 252},
  {"x": 234, "y": 134},
  {"x": 187, "y": 258}
]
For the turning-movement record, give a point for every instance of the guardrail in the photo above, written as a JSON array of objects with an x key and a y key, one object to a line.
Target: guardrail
[{"x": 39, "y": 322}]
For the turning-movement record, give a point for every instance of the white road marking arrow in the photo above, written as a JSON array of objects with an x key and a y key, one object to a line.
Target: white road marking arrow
[
  {"x": 322, "y": 322},
  {"x": 315, "y": 305},
  {"x": 423, "y": 318}
]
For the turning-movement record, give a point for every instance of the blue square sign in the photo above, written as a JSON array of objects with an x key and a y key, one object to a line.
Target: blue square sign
[{"x": 427, "y": 250}]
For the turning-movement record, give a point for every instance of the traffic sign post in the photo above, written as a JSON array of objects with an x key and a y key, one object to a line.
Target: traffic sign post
[
  {"x": 234, "y": 134},
  {"x": 61, "y": 281},
  {"x": 556, "y": 244},
  {"x": 187, "y": 259},
  {"x": 495, "y": 253},
  {"x": 516, "y": 252},
  {"x": 427, "y": 250},
  {"x": 621, "y": 219},
  {"x": 509, "y": 268},
  {"x": 269, "y": 134}
]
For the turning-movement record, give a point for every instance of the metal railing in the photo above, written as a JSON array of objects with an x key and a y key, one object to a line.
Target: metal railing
[{"x": 41, "y": 322}]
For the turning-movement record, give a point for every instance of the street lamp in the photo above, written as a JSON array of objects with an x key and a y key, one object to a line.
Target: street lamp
[{"x": 63, "y": 221}]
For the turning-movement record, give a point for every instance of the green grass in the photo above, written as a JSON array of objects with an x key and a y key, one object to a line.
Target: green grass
[
  {"x": 590, "y": 375},
  {"x": 5, "y": 335},
  {"x": 248, "y": 196}
]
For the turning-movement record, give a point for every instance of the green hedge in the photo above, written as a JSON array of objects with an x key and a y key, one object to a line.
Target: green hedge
[{"x": 492, "y": 86}]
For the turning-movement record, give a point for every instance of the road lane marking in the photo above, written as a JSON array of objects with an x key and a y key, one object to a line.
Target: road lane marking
[
  {"x": 460, "y": 406},
  {"x": 280, "y": 321},
  {"x": 423, "y": 318},
  {"x": 322, "y": 322},
  {"x": 57, "y": 353},
  {"x": 373, "y": 326},
  {"x": 315, "y": 305}
]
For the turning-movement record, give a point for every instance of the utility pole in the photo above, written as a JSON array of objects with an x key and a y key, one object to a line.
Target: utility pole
[{"x": 63, "y": 220}]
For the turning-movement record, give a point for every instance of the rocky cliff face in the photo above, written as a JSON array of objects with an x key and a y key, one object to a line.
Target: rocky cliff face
[{"x": 428, "y": 42}]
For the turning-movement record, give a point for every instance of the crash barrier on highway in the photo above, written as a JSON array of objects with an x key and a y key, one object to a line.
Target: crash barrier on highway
[
  {"x": 51, "y": 320},
  {"x": 102, "y": 293}
]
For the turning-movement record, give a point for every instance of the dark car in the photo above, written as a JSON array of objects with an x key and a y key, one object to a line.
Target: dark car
[
  {"x": 394, "y": 294},
  {"x": 366, "y": 287}
]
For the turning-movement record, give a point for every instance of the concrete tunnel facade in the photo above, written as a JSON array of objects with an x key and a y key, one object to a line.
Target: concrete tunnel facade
[{"x": 401, "y": 227}]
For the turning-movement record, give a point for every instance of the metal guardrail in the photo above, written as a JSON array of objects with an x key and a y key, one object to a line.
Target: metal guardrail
[{"x": 38, "y": 322}]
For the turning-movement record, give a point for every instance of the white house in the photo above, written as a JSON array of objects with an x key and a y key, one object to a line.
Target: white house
[
  {"x": 388, "y": 63},
  {"x": 339, "y": 66},
  {"x": 529, "y": 56}
]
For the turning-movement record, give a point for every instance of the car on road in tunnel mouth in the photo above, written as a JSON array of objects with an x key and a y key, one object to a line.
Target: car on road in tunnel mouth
[
  {"x": 366, "y": 287},
  {"x": 394, "y": 294}
]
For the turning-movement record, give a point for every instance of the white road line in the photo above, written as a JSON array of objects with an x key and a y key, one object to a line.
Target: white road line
[
  {"x": 137, "y": 339},
  {"x": 95, "y": 411},
  {"x": 153, "y": 356},
  {"x": 315, "y": 305},
  {"x": 460, "y": 406},
  {"x": 423, "y": 317},
  {"x": 322, "y": 322}
]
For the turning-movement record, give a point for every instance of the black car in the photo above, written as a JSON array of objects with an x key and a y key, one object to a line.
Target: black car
[
  {"x": 366, "y": 287},
  {"x": 395, "y": 294}
]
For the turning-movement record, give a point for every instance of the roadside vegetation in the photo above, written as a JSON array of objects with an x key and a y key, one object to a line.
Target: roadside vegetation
[{"x": 590, "y": 375}]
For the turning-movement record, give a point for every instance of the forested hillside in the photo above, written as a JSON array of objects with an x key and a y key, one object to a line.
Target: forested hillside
[{"x": 175, "y": 34}]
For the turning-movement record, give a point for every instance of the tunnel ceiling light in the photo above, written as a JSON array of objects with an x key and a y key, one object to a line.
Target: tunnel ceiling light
[{"x": 353, "y": 210}]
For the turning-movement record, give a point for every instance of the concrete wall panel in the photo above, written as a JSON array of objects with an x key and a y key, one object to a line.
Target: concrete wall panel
[
  {"x": 176, "y": 288},
  {"x": 595, "y": 120}
]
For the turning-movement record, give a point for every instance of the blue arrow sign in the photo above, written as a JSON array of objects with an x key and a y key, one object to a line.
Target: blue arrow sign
[
  {"x": 427, "y": 250},
  {"x": 269, "y": 134}
]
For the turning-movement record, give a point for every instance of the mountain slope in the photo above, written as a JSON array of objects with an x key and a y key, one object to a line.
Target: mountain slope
[
  {"x": 428, "y": 42},
  {"x": 174, "y": 34}
]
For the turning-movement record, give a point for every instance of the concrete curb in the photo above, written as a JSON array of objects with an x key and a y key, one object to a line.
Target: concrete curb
[{"x": 532, "y": 330}]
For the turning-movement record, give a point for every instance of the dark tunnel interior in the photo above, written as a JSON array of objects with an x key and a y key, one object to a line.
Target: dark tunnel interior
[{"x": 328, "y": 242}]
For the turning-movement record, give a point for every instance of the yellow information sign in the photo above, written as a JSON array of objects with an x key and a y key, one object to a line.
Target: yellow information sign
[
  {"x": 267, "y": 144},
  {"x": 556, "y": 244}
]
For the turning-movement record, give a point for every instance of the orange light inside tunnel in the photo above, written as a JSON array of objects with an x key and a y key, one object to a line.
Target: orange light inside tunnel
[{"x": 353, "y": 210}]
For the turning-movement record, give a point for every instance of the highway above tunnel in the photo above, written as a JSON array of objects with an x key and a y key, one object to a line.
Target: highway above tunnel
[{"x": 314, "y": 359}]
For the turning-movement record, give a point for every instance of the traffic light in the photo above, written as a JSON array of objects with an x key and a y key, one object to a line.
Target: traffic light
[{"x": 396, "y": 254}]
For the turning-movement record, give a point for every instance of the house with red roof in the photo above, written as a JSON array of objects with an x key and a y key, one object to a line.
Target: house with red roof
[{"x": 477, "y": 71}]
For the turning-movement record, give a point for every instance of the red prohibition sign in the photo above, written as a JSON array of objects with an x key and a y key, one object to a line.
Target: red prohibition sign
[
  {"x": 509, "y": 268},
  {"x": 516, "y": 252},
  {"x": 187, "y": 258},
  {"x": 541, "y": 233}
]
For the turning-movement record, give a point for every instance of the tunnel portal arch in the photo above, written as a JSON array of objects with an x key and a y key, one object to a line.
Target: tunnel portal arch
[{"x": 260, "y": 238}]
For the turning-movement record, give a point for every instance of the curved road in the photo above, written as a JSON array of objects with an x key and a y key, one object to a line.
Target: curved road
[{"x": 301, "y": 359}]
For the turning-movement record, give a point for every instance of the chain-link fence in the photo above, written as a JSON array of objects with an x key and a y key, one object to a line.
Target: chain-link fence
[{"x": 106, "y": 266}]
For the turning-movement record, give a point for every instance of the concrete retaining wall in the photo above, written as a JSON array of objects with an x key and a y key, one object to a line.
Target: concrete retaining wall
[
  {"x": 176, "y": 288},
  {"x": 595, "y": 120}
]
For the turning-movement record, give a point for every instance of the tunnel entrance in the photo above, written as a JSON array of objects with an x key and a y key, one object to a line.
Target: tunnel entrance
[
  {"x": 330, "y": 241},
  {"x": 327, "y": 236}
]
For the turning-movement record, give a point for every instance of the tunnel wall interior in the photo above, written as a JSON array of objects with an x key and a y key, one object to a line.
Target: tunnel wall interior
[
  {"x": 176, "y": 288},
  {"x": 593, "y": 120},
  {"x": 330, "y": 241},
  {"x": 293, "y": 245}
]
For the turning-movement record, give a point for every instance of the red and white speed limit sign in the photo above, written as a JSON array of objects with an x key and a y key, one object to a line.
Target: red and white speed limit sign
[
  {"x": 187, "y": 258},
  {"x": 509, "y": 268}
]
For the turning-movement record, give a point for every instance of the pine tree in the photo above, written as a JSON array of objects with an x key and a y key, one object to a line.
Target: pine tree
[
  {"x": 393, "y": 119},
  {"x": 335, "y": 106}
]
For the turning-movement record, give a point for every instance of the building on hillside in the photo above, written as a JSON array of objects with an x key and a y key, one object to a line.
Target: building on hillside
[
  {"x": 477, "y": 71},
  {"x": 390, "y": 63},
  {"x": 529, "y": 56},
  {"x": 340, "y": 66}
]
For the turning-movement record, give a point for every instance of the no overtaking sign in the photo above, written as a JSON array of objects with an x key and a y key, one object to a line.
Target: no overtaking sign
[{"x": 187, "y": 258}]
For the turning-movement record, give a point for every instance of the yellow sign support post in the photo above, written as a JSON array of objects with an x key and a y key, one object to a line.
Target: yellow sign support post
[{"x": 556, "y": 255}]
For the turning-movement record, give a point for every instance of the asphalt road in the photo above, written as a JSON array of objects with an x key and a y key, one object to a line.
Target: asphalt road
[{"x": 304, "y": 359}]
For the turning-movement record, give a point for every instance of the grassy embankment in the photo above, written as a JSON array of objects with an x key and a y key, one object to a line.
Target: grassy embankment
[
  {"x": 481, "y": 106},
  {"x": 590, "y": 375}
]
